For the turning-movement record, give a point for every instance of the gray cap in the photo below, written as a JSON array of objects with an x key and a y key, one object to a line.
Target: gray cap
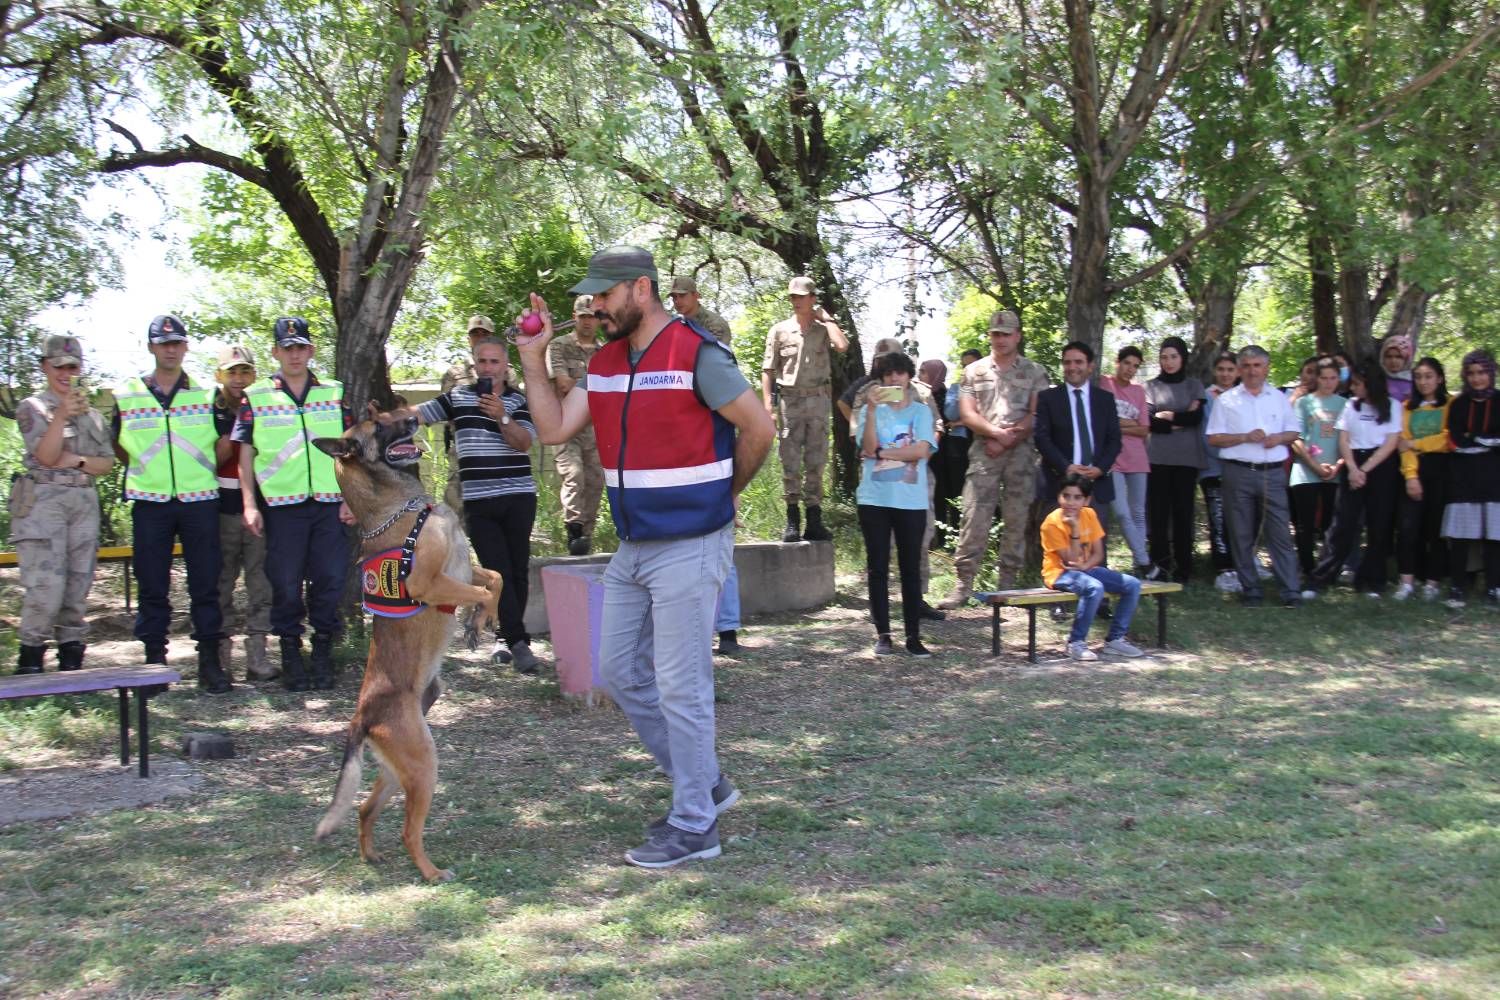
[
  {"x": 62, "y": 349},
  {"x": 235, "y": 355},
  {"x": 801, "y": 286},
  {"x": 612, "y": 265},
  {"x": 684, "y": 286},
  {"x": 1003, "y": 320},
  {"x": 583, "y": 305},
  {"x": 166, "y": 330}
]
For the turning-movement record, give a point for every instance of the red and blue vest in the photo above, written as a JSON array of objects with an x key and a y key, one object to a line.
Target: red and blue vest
[
  {"x": 384, "y": 578},
  {"x": 668, "y": 459}
]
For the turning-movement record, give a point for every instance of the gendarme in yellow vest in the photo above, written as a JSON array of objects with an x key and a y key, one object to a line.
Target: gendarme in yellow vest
[
  {"x": 171, "y": 450},
  {"x": 287, "y": 466}
]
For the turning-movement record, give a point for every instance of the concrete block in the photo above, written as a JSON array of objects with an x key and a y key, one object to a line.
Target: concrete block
[
  {"x": 208, "y": 746},
  {"x": 774, "y": 576}
]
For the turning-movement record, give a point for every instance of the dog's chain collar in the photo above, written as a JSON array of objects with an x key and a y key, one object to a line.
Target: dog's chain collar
[{"x": 417, "y": 502}]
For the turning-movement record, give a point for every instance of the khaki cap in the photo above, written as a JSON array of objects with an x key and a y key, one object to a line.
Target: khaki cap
[
  {"x": 481, "y": 322},
  {"x": 62, "y": 348},
  {"x": 801, "y": 286},
  {"x": 1004, "y": 321},
  {"x": 583, "y": 305},
  {"x": 233, "y": 355},
  {"x": 684, "y": 286}
]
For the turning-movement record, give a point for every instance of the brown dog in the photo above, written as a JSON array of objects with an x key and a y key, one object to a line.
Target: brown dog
[{"x": 415, "y": 556}]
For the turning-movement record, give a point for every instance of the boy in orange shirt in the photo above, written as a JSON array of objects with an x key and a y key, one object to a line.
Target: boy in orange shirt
[{"x": 1072, "y": 560}]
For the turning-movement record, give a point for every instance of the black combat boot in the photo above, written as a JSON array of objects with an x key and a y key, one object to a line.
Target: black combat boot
[
  {"x": 815, "y": 531},
  {"x": 211, "y": 675},
  {"x": 70, "y": 656},
  {"x": 793, "y": 532},
  {"x": 293, "y": 669},
  {"x": 322, "y": 661},
  {"x": 30, "y": 660},
  {"x": 729, "y": 643},
  {"x": 156, "y": 652},
  {"x": 578, "y": 541}
]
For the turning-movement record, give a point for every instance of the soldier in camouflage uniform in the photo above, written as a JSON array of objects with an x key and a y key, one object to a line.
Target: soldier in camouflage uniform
[
  {"x": 578, "y": 464},
  {"x": 688, "y": 305},
  {"x": 997, "y": 401},
  {"x": 797, "y": 366},
  {"x": 54, "y": 509},
  {"x": 461, "y": 373}
]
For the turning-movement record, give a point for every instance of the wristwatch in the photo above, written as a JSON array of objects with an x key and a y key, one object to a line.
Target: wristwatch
[{"x": 877, "y": 454}]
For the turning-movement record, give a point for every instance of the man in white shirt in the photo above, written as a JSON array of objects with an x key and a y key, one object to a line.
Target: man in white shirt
[{"x": 1252, "y": 426}]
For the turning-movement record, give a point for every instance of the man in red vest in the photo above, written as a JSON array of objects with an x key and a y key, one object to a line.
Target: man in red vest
[{"x": 680, "y": 434}]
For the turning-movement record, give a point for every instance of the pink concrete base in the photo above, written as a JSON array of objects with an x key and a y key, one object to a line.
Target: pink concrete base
[{"x": 575, "y": 607}]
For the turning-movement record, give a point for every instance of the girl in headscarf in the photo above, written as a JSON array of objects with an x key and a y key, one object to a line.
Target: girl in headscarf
[
  {"x": 1472, "y": 516},
  {"x": 1176, "y": 450},
  {"x": 1395, "y": 358}
]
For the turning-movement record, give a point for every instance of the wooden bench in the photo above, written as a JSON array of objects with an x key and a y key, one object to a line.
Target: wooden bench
[
  {"x": 1035, "y": 598},
  {"x": 145, "y": 681},
  {"x": 122, "y": 554}
]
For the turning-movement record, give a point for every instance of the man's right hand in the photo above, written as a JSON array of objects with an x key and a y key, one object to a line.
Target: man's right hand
[
  {"x": 535, "y": 347},
  {"x": 253, "y": 522},
  {"x": 1256, "y": 436},
  {"x": 993, "y": 448}
]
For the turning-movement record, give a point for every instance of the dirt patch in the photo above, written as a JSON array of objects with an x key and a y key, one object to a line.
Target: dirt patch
[{"x": 57, "y": 792}]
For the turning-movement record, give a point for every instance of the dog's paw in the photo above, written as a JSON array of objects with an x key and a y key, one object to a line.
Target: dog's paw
[
  {"x": 442, "y": 875},
  {"x": 373, "y": 857}
]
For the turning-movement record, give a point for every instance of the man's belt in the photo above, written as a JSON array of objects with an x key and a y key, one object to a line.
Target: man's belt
[
  {"x": 826, "y": 389},
  {"x": 61, "y": 477},
  {"x": 1253, "y": 466}
]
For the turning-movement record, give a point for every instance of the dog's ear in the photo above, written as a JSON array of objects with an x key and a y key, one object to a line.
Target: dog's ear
[{"x": 336, "y": 447}]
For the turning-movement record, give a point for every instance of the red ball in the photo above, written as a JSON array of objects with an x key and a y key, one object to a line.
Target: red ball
[{"x": 531, "y": 324}]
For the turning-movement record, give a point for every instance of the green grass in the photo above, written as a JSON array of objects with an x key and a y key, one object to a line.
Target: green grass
[{"x": 1288, "y": 805}]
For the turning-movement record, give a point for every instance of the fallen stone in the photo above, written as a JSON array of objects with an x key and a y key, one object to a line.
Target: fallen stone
[{"x": 208, "y": 746}]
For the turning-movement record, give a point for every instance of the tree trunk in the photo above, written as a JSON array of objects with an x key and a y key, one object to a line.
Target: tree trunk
[
  {"x": 1088, "y": 271},
  {"x": 1213, "y": 324},
  {"x": 1410, "y": 314},
  {"x": 1355, "y": 312},
  {"x": 1325, "y": 308}
]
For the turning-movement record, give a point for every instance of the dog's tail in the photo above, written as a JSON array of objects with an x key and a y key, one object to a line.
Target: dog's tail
[{"x": 349, "y": 776}]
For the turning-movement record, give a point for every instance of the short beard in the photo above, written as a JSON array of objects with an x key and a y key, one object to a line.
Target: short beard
[{"x": 626, "y": 323}]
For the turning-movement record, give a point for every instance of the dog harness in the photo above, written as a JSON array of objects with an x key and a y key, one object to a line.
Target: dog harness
[{"x": 385, "y": 575}]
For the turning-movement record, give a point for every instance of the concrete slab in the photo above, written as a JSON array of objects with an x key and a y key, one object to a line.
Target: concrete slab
[{"x": 774, "y": 576}]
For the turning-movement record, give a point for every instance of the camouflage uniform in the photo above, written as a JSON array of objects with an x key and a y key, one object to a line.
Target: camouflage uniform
[
  {"x": 1004, "y": 398},
  {"x": 714, "y": 324},
  {"x": 578, "y": 463},
  {"x": 55, "y": 525},
  {"x": 798, "y": 362},
  {"x": 923, "y": 393}
]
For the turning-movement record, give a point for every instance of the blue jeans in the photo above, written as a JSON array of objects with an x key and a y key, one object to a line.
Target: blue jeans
[
  {"x": 1129, "y": 508},
  {"x": 656, "y": 658},
  {"x": 1091, "y": 586},
  {"x": 727, "y": 617}
]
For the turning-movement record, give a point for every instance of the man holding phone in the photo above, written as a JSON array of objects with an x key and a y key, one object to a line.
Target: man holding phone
[{"x": 492, "y": 431}]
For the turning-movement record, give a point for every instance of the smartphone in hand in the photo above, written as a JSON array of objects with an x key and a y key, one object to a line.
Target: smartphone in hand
[
  {"x": 891, "y": 394},
  {"x": 485, "y": 386}
]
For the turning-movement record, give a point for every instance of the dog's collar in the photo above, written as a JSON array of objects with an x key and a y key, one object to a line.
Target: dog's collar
[{"x": 417, "y": 502}]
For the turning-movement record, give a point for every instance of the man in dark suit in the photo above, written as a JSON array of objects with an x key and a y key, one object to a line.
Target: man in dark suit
[{"x": 1078, "y": 430}]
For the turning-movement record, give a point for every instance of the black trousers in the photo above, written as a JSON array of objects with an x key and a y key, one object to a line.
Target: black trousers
[
  {"x": 1375, "y": 504},
  {"x": 1312, "y": 515},
  {"x": 949, "y": 467},
  {"x": 155, "y": 527},
  {"x": 500, "y": 532},
  {"x": 1421, "y": 549},
  {"x": 877, "y": 525},
  {"x": 1169, "y": 518},
  {"x": 1212, "y": 488},
  {"x": 307, "y": 552}
]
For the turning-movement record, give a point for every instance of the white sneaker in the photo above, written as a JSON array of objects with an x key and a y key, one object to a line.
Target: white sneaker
[
  {"x": 1430, "y": 592},
  {"x": 1081, "y": 651},
  {"x": 1227, "y": 582},
  {"x": 1373, "y": 595},
  {"x": 1403, "y": 592},
  {"x": 1120, "y": 647},
  {"x": 1309, "y": 595}
]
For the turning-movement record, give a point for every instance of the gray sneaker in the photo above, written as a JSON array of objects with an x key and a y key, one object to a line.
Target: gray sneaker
[
  {"x": 671, "y": 846},
  {"x": 725, "y": 796},
  {"x": 1120, "y": 647},
  {"x": 525, "y": 660},
  {"x": 1081, "y": 651}
]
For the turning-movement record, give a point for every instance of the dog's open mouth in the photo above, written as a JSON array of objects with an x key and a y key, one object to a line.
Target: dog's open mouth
[{"x": 402, "y": 453}]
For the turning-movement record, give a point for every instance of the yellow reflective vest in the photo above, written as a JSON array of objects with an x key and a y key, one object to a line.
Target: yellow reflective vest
[
  {"x": 171, "y": 449},
  {"x": 287, "y": 466}
]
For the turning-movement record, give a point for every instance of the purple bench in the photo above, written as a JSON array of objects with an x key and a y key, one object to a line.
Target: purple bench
[{"x": 144, "y": 681}]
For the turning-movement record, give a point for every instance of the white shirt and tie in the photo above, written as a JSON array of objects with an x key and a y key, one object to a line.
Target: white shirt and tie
[{"x": 1083, "y": 425}]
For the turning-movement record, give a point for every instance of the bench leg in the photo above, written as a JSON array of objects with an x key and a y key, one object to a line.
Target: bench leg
[
  {"x": 124, "y": 727},
  {"x": 126, "y": 564},
  {"x": 1031, "y": 633},
  {"x": 143, "y": 728},
  {"x": 995, "y": 631},
  {"x": 1161, "y": 621}
]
